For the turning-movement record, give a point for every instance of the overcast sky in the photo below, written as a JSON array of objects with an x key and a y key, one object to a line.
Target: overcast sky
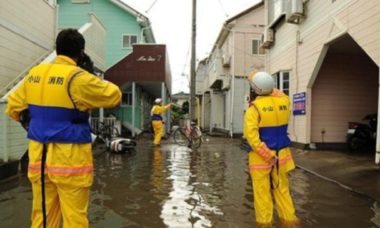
[{"x": 171, "y": 22}]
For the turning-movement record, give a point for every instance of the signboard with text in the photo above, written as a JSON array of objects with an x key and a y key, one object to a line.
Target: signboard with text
[{"x": 299, "y": 103}]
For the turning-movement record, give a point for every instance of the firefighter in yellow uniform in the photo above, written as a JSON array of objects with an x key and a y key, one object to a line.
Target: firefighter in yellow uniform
[
  {"x": 157, "y": 121},
  {"x": 59, "y": 96},
  {"x": 270, "y": 159}
]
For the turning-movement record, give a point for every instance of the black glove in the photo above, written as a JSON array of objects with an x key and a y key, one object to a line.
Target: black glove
[
  {"x": 25, "y": 118},
  {"x": 86, "y": 63}
]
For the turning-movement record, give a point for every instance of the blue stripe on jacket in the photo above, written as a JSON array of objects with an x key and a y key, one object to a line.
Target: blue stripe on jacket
[
  {"x": 156, "y": 117},
  {"x": 276, "y": 137},
  {"x": 59, "y": 125}
]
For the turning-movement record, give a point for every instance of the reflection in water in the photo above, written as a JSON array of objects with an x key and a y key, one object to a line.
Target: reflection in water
[
  {"x": 185, "y": 206},
  {"x": 172, "y": 186}
]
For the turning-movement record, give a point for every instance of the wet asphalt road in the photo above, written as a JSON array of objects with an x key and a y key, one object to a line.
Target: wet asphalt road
[{"x": 173, "y": 186}]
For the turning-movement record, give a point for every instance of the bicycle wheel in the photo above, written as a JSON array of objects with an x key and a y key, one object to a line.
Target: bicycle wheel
[
  {"x": 196, "y": 137},
  {"x": 180, "y": 137},
  {"x": 109, "y": 132}
]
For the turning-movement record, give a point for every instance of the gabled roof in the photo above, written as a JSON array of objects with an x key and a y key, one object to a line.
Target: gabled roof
[
  {"x": 257, "y": 5},
  {"x": 129, "y": 9},
  {"x": 225, "y": 29},
  {"x": 141, "y": 18}
]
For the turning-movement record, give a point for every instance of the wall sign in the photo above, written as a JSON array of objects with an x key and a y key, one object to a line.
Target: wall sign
[
  {"x": 299, "y": 103},
  {"x": 149, "y": 58}
]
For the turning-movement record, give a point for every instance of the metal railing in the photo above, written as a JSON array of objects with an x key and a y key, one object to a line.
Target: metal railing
[{"x": 108, "y": 121}]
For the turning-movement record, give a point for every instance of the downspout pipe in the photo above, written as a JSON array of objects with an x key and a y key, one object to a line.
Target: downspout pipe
[
  {"x": 377, "y": 157},
  {"x": 232, "y": 85}
]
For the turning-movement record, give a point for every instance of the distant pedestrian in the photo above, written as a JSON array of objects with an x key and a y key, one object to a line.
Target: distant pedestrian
[
  {"x": 270, "y": 159},
  {"x": 157, "y": 120}
]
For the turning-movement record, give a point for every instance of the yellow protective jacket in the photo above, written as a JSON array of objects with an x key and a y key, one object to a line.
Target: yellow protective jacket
[
  {"x": 59, "y": 96},
  {"x": 157, "y": 110},
  {"x": 265, "y": 128}
]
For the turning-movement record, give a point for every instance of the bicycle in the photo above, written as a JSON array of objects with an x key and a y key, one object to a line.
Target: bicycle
[
  {"x": 106, "y": 132},
  {"x": 188, "y": 136}
]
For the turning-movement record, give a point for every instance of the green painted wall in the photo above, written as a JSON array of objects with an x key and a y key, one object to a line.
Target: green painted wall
[
  {"x": 124, "y": 112},
  {"x": 116, "y": 20}
]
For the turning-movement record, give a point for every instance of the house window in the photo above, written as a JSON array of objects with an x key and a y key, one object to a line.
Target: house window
[
  {"x": 80, "y": 1},
  {"x": 282, "y": 80},
  {"x": 128, "y": 40},
  {"x": 256, "y": 48},
  {"x": 126, "y": 99}
]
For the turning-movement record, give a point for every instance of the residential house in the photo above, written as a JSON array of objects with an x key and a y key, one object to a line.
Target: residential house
[
  {"x": 143, "y": 76},
  {"x": 25, "y": 43},
  {"x": 125, "y": 27},
  {"x": 202, "y": 92},
  {"x": 180, "y": 98},
  {"x": 326, "y": 56},
  {"x": 235, "y": 54}
]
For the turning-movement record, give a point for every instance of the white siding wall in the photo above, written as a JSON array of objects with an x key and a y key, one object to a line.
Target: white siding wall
[
  {"x": 206, "y": 111},
  {"x": 27, "y": 31},
  {"x": 227, "y": 102},
  {"x": 241, "y": 91},
  {"x": 13, "y": 142},
  {"x": 324, "y": 20},
  {"x": 217, "y": 110}
]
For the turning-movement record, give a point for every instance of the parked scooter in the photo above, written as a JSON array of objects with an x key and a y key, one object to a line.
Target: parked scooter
[
  {"x": 362, "y": 136},
  {"x": 121, "y": 145}
]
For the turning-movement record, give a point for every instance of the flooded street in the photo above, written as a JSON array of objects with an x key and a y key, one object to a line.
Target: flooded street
[{"x": 174, "y": 187}]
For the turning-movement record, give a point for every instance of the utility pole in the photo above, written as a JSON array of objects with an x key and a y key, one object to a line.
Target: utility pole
[{"x": 193, "y": 59}]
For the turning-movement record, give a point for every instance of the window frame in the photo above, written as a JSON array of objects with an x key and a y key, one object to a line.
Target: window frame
[
  {"x": 129, "y": 98},
  {"x": 131, "y": 44},
  {"x": 280, "y": 81},
  {"x": 260, "y": 51}
]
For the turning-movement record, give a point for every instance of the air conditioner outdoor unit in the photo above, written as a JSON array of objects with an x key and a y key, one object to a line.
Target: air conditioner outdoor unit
[
  {"x": 267, "y": 38},
  {"x": 226, "y": 83},
  {"x": 226, "y": 60},
  {"x": 295, "y": 11}
]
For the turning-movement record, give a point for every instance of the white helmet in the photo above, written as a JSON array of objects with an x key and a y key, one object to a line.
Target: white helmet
[
  {"x": 158, "y": 101},
  {"x": 261, "y": 82}
]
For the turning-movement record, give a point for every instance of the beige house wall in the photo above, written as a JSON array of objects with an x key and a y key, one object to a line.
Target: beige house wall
[
  {"x": 239, "y": 43},
  {"x": 301, "y": 48}
]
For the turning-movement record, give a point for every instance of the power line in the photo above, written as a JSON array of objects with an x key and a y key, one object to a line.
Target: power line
[
  {"x": 185, "y": 64},
  {"x": 151, "y": 6},
  {"x": 224, "y": 9}
]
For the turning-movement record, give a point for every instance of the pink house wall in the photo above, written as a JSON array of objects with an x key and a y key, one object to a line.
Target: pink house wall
[{"x": 346, "y": 89}]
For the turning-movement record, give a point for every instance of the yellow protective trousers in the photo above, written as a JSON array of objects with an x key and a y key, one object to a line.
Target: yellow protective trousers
[
  {"x": 158, "y": 128},
  {"x": 268, "y": 180},
  {"x": 68, "y": 177}
]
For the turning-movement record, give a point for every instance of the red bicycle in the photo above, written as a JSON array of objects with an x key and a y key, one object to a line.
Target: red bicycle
[{"x": 190, "y": 136}]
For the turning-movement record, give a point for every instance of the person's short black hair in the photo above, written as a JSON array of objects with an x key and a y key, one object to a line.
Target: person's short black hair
[{"x": 70, "y": 42}]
